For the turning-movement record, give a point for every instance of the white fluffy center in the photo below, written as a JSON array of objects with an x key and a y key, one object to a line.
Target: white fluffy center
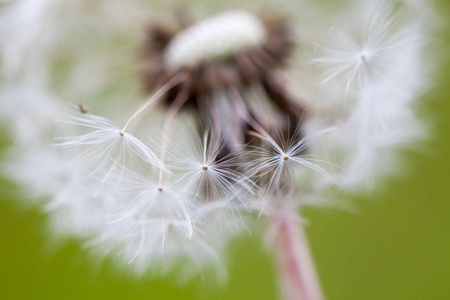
[{"x": 216, "y": 37}]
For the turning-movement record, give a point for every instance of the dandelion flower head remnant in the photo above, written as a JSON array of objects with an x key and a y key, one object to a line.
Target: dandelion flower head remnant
[{"x": 190, "y": 121}]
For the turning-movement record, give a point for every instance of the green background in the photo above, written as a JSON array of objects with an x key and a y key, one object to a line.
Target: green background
[{"x": 397, "y": 246}]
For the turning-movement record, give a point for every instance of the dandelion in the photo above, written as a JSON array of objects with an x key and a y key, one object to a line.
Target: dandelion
[{"x": 253, "y": 108}]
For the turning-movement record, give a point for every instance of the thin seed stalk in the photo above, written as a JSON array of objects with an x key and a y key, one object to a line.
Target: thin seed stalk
[{"x": 296, "y": 271}]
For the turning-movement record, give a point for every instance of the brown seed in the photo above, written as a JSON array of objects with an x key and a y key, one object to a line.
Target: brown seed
[{"x": 82, "y": 109}]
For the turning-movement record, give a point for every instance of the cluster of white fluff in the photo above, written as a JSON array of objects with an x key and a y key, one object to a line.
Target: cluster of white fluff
[
  {"x": 232, "y": 30},
  {"x": 154, "y": 194}
]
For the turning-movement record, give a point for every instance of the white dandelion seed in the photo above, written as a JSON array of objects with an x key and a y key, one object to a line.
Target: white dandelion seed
[
  {"x": 107, "y": 147},
  {"x": 211, "y": 177},
  {"x": 276, "y": 163},
  {"x": 378, "y": 50},
  {"x": 77, "y": 210}
]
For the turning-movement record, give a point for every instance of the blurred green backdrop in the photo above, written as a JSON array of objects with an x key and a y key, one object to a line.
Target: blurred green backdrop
[{"x": 397, "y": 246}]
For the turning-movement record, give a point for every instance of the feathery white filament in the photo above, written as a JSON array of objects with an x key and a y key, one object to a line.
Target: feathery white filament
[
  {"x": 278, "y": 160},
  {"x": 107, "y": 145},
  {"x": 380, "y": 51},
  {"x": 219, "y": 36},
  {"x": 210, "y": 178}
]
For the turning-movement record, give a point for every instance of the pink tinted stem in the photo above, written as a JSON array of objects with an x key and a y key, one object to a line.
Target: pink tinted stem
[{"x": 297, "y": 275}]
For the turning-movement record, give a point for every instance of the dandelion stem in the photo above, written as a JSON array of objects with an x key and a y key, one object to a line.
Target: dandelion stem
[
  {"x": 180, "y": 77},
  {"x": 298, "y": 279}
]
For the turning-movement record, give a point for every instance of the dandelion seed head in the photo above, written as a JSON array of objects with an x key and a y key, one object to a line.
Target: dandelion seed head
[{"x": 248, "y": 127}]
